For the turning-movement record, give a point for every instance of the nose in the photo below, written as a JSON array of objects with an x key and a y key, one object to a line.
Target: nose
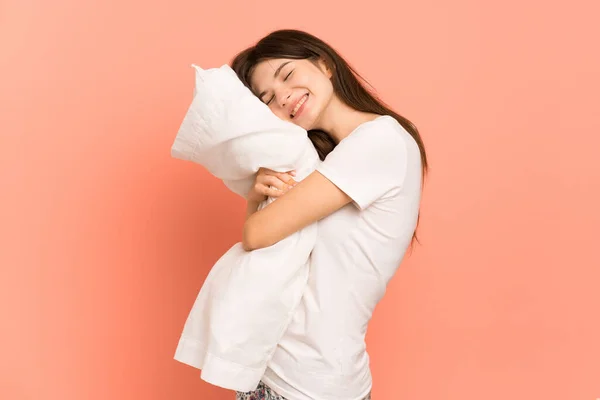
[{"x": 283, "y": 95}]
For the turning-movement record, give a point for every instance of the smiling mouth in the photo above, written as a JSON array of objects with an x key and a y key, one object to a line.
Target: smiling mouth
[{"x": 300, "y": 103}]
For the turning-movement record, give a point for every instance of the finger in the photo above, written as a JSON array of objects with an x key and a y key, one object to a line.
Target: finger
[
  {"x": 291, "y": 175},
  {"x": 277, "y": 182},
  {"x": 272, "y": 192},
  {"x": 284, "y": 177},
  {"x": 269, "y": 186},
  {"x": 265, "y": 175},
  {"x": 267, "y": 171}
]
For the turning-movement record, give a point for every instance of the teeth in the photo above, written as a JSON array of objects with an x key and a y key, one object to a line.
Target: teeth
[{"x": 299, "y": 104}]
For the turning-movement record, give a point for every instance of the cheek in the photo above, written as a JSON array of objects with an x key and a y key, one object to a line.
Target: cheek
[
  {"x": 320, "y": 87},
  {"x": 303, "y": 81}
]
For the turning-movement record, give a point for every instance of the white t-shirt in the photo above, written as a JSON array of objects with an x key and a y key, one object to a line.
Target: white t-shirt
[{"x": 322, "y": 355}]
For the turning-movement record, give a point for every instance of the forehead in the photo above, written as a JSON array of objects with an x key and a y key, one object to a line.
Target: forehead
[{"x": 263, "y": 72}]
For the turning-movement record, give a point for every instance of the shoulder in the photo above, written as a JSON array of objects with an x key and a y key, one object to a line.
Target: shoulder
[
  {"x": 384, "y": 129},
  {"x": 377, "y": 157},
  {"x": 391, "y": 135},
  {"x": 382, "y": 138}
]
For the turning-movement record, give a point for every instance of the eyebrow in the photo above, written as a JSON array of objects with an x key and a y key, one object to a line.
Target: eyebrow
[{"x": 277, "y": 71}]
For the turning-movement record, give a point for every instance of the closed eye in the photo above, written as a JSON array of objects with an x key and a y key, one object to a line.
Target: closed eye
[{"x": 286, "y": 78}]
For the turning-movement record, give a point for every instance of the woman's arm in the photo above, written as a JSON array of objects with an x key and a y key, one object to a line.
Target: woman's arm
[
  {"x": 362, "y": 168},
  {"x": 312, "y": 199},
  {"x": 251, "y": 208}
]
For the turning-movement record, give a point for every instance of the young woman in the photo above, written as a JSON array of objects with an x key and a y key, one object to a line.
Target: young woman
[{"x": 365, "y": 196}]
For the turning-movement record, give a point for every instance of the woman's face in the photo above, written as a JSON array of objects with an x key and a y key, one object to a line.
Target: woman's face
[{"x": 295, "y": 90}]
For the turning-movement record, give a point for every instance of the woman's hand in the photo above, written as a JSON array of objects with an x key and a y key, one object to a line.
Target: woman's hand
[{"x": 271, "y": 183}]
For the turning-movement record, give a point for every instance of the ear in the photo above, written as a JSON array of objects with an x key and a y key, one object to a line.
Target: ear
[{"x": 325, "y": 68}]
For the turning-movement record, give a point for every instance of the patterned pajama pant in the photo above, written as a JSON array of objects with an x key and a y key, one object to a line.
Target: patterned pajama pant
[{"x": 263, "y": 392}]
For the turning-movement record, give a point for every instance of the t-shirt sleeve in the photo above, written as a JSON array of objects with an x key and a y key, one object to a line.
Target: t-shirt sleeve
[{"x": 368, "y": 163}]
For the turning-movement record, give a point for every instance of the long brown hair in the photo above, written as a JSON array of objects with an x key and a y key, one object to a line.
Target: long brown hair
[{"x": 296, "y": 44}]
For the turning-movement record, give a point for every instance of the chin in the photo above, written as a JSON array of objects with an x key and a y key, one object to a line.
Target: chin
[
  {"x": 307, "y": 126},
  {"x": 309, "y": 121}
]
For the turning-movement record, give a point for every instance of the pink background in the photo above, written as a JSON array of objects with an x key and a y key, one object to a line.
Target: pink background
[{"x": 105, "y": 239}]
